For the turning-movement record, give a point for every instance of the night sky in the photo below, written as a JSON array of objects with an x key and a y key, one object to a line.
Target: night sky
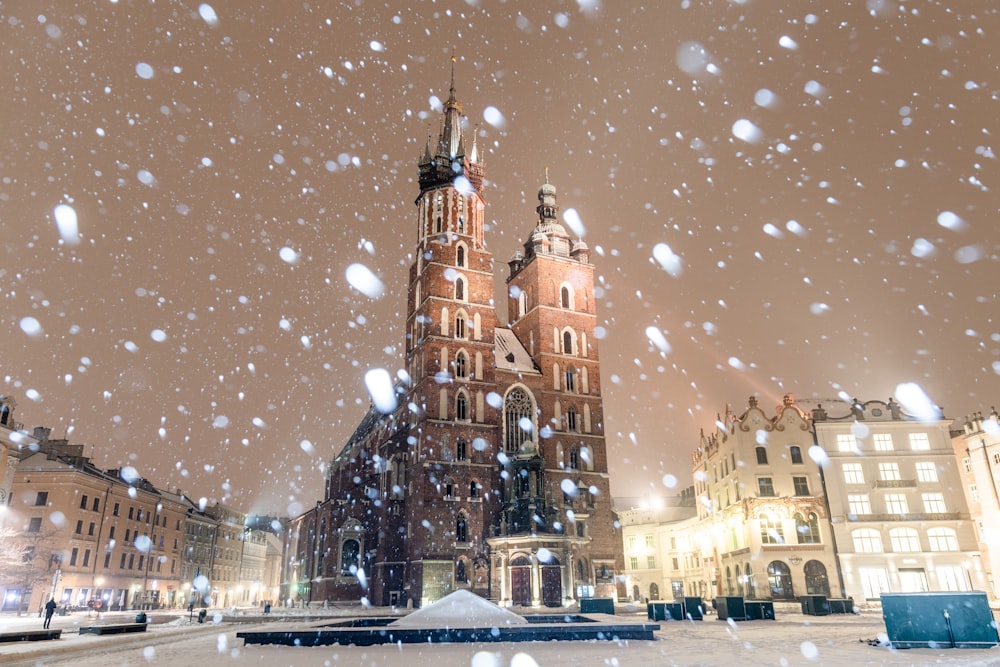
[{"x": 780, "y": 196}]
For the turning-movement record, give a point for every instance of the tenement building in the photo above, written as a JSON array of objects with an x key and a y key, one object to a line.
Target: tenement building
[
  {"x": 849, "y": 500},
  {"x": 764, "y": 528},
  {"x": 976, "y": 441},
  {"x": 488, "y": 471},
  {"x": 104, "y": 539},
  {"x": 894, "y": 489}
]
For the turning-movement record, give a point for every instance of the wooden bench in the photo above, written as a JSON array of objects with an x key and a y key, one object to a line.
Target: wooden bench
[
  {"x": 112, "y": 629},
  {"x": 29, "y": 635}
]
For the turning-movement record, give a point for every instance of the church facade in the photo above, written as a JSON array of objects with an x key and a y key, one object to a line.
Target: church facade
[{"x": 490, "y": 473}]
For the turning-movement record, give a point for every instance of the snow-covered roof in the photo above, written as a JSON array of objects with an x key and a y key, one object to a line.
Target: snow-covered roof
[{"x": 510, "y": 355}]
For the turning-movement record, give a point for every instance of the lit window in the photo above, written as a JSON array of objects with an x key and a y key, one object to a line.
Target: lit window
[
  {"x": 942, "y": 539},
  {"x": 934, "y": 503},
  {"x": 846, "y": 442},
  {"x": 888, "y": 471},
  {"x": 853, "y": 474},
  {"x": 919, "y": 441},
  {"x": 867, "y": 541},
  {"x": 904, "y": 540},
  {"x": 859, "y": 504},
  {"x": 927, "y": 472},
  {"x": 771, "y": 531},
  {"x": 895, "y": 503},
  {"x": 883, "y": 442}
]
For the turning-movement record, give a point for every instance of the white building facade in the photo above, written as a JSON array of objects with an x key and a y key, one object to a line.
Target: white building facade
[{"x": 900, "y": 517}]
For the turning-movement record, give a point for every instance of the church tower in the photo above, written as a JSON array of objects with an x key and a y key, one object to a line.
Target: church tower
[
  {"x": 449, "y": 358},
  {"x": 562, "y": 476}
]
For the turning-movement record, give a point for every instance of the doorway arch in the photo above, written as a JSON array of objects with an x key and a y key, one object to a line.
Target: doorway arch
[
  {"x": 817, "y": 581},
  {"x": 780, "y": 578}
]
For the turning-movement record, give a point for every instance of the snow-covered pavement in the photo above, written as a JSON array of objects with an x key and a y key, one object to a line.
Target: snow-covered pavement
[{"x": 792, "y": 639}]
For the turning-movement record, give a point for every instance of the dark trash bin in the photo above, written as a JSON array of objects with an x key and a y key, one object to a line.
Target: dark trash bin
[
  {"x": 841, "y": 605},
  {"x": 664, "y": 611},
  {"x": 814, "y": 605},
  {"x": 939, "y": 620},
  {"x": 597, "y": 606},
  {"x": 140, "y": 617},
  {"x": 730, "y": 607},
  {"x": 759, "y": 610},
  {"x": 694, "y": 608}
]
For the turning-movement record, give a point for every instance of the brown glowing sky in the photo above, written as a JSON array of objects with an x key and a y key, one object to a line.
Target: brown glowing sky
[{"x": 846, "y": 247}]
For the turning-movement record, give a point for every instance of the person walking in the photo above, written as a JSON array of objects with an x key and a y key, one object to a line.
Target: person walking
[{"x": 50, "y": 608}]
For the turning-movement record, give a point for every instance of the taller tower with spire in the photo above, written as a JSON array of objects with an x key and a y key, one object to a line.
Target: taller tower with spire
[{"x": 491, "y": 472}]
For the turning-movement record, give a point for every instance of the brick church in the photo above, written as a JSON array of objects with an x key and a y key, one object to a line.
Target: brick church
[{"x": 491, "y": 472}]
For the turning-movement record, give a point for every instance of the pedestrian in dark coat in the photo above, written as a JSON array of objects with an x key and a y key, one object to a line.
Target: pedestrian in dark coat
[{"x": 50, "y": 608}]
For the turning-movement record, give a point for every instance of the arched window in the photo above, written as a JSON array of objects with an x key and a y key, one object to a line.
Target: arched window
[
  {"x": 817, "y": 583},
  {"x": 567, "y": 338},
  {"x": 566, "y": 297},
  {"x": 904, "y": 540},
  {"x": 807, "y": 528},
  {"x": 461, "y": 365},
  {"x": 460, "y": 256},
  {"x": 574, "y": 459},
  {"x": 461, "y": 529},
  {"x": 654, "y": 592},
  {"x": 572, "y": 423},
  {"x": 474, "y": 488},
  {"x": 587, "y": 454},
  {"x": 780, "y": 578},
  {"x": 942, "y": 539},
  {"x": 461, "y": 450},
  {"x": 748, "y": 578},
  {"x": 522, "y": 301},
  {"x": 460, "y": 574},
  {"x": 461, "y": 406},
  {"x": 867, "y": 540},
  {"x": 729, "y": 581},
  {"x": 460, "y": 289},
  {"x": 461, "y": 330},
  {"x": 350, "y": 549},
  {"x": 761, "y": 456},
  {"x": 519, "y": 413},
  {"x": 570, "y": 378},
  {"x": 796, "y": 453},
  {"x": 771, "y": 531}
]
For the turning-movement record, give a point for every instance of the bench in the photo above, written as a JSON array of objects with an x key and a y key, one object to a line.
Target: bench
[
  {"x": 116, "y": 629},
  {"x": 29, "y": 635}
]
